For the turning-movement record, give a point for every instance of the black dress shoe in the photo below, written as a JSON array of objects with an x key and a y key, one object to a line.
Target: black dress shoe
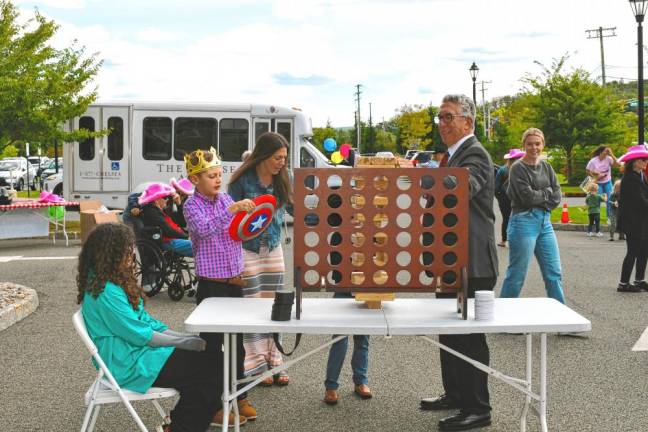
[
  {"x": 464, "y": 421},
  {"x": 443, "y": 402},
  {"x": 641, "y": 285}
]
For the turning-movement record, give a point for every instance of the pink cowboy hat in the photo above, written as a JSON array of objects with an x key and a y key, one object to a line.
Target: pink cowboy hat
[
  {"x": 183, "y": 186},
  {"x": 635, "y": 152},
  {"x": 514, "y": 154},
  {"x": 154, "y": 192},
  {"x": 48, "y": 197}
]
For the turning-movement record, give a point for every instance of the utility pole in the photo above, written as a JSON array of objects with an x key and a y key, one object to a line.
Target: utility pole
[
  {"x": 486, "y": 115},
  {"x": 358, "y": 124},
  {"x": 371, "y": 131},
  {"x": 600, "y": 33}
]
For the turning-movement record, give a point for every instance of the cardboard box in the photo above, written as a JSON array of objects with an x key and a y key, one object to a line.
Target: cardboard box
[{"x": 91, "y": 216}]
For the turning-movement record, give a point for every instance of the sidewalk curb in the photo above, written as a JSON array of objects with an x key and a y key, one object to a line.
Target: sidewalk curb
[
  {"x": 16, "y": 303},
  {"x": 577, "y": 227}
]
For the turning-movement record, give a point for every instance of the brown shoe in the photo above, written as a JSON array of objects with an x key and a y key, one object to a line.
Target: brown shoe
[
  {"x": 247, "y": 410},
  {"x": 363, "y": 391},
  {"x": 218, "y": 419},
  {"x": 331, "y": 397}
]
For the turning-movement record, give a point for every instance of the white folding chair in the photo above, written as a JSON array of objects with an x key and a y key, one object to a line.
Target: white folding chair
[{"x": 105, "y": 390}]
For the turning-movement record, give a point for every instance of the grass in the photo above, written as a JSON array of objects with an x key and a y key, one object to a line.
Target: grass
[
  {"x": 577, "y": 215},
  {"x": 571, "y": 189}
]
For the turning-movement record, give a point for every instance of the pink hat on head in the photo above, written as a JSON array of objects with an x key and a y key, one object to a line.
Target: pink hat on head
[
  {"x": 48, "y": 197},
  {"x": 183, "y": 186},
  {"x": 635, "y": 152},
  {"x": 154, "y": 192},
  {"x": 514, "y": 154}
]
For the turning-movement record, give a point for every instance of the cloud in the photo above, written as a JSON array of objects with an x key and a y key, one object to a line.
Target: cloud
[
  {"x": 531, "y": 35},
  {"x": 424, "y": 90},
  {"x": 480, "y": 50},
  {"x": 56, "y": 4},
  {"x": 285, "y": 78},
  {"x": 154, "y": 35}
]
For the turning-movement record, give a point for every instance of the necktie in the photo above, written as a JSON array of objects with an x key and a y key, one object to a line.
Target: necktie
[{"x": 444, "y": 160}]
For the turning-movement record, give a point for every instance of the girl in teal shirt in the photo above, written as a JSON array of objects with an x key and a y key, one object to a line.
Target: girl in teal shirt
[{"x": 140, "y": 351}]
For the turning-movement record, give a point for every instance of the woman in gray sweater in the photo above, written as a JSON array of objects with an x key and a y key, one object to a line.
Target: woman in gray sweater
[{"x": 534, "y": 191}]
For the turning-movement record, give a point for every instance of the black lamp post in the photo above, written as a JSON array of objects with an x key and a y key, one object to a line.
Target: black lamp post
[
  {"x": 639, "y": 9},
  {"x": 473, "y": 74}
]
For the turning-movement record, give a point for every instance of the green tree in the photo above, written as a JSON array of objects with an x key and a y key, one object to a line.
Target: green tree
[
  {"x": 40, "y": 87},
  {"x": 9, "y": 151}
]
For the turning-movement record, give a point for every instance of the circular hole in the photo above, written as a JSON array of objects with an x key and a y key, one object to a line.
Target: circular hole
[
  {"x": 403, "y": 239},
  {"x": 426, "y": 201},
  {"x": 334, "y": 181},
  {"x": 357, "y": 220},
  {"x": 380, "y": 220},
  {"x": 403, "y": 182},
  {"x": 311, "y": 258},
  {"x": 450, "y": 182},
  {"x": 380, "y": 277},
  {"x": 426, "y": 278},
  {"x": 334, "y": 258},
  {"x": 311, "y": 277},
  {"x": 357, "y": 278},
  {"x": 380, "y": 239},
  {"x": 450, "y": 220},
  {"x": 311, "y": 239},
  {"x": 311, "y": 219},
  {"x": 403, "y": 220},
  {"x": 403, "y": 201},
  {"x": 357, "y": 183},
  {"x": 426, "y": 258},
  {"x": 450, "y": 258},
  {"x": 450, "y": 201},
  {"x": 403, "y": 277},
  {"x": 334, "y": 200},
  {"x": 380, "y": 201},
  {"x": 426, "y": 239},
  {"x": 449, "y": 277},
  {"x": 380, "y": 183},
  {"x": 450, "y": 239},
  {"x": 403, "y": 258},
  {"x": 427, "y": 181},
  {"x": 380, "y": 258},
  {"x": 357, "y": 201},
  {"x": 334, "y": 277},
  {"x": 357, "y": 259},
  {"x": 334, "y": 239},
  {"x": 427, "y": 220},
  {"x": 311, "y": 201},
  {"x": 357, "y": 239},
  {"x": 334, "y": 219},
  {"x": 311, "y": 182}
]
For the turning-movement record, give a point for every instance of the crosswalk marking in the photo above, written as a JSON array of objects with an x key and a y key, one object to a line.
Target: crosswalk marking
[
  {"x": 6, "y": 259},
  {"x": 642, "y": 343}
]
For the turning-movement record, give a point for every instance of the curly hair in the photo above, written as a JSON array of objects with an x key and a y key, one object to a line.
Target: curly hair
[{"x": 107, "y": 255}]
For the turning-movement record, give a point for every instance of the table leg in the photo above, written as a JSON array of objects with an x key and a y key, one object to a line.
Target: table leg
[
  {"x": 543, "y": 382},
  {"x": 529, "y": 376},
  {"x": 67, "y": 242},
  {"x": 226, "y": 381},
  {"x": 234, "y": 380}
]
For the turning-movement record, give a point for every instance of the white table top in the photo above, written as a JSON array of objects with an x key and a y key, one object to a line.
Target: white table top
[{"x": 414, "y": 316}]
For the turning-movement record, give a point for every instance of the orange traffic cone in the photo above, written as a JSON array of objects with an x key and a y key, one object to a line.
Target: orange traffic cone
[{"x": 565, "y": 214}]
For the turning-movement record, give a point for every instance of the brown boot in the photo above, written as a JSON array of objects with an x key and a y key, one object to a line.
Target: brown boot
[
  {"x": 363, "y": 391},
  {"x": 331, "y": 397},
  {"x": 218, "y": 419}
]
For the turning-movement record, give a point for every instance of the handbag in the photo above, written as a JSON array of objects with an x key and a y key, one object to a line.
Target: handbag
[{"x": 585, "y": 184}]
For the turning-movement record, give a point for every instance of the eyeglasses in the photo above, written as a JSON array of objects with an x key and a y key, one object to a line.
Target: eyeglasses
[{"x": 446, "y": 118}]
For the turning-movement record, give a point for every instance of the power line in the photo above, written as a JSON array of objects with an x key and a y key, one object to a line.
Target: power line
[
  {"x": 599, "y": 34},
  {"x": 358, "y": 124}
]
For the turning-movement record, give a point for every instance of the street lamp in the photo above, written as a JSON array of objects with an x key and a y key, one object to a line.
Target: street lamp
[
  {"x": 473, "y": 74},
  {"x": 639, "y": 9}
]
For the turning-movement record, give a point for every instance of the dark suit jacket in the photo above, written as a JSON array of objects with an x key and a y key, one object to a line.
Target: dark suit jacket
[
  {"x": 633, "y": 206},
  {"x": 481, "y": 227}
]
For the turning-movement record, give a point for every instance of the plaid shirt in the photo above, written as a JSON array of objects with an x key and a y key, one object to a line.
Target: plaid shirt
[{"x": 215, "y": 253}]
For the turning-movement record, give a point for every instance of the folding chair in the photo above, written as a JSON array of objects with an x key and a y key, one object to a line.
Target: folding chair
[{"x": 105, "y": 390}]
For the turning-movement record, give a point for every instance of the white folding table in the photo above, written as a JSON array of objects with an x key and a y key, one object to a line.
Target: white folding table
[{"x": 402, "y": 317}]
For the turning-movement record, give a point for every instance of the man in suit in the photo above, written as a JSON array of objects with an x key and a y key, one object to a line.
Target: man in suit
[{"x": 466, "y": 387}]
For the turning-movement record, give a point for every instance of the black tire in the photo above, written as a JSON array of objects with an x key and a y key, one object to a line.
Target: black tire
[
  {"x": 176, "y": 291},
  {"x": 150, "y": 267},
  {"x": 21, "y": 184},
  {"x": 58, "y": 189}
]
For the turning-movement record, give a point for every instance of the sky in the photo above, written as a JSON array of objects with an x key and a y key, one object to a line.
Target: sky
[{"x": 311, "y": 53}]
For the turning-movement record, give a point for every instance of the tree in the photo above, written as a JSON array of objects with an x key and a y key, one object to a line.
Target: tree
[
  {"x": 40, "y": 87},
  {"x": 414, "y": 127}
]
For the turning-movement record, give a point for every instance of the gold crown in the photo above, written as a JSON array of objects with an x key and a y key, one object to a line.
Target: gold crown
[{"x": 200, "y": 161}]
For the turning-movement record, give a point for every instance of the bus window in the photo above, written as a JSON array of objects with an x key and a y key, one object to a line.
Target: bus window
[
  {"x": 157, "y": 138},
  {"x": 190, "y": 134},
  {"x": 234, "y": 136},
  {"x": 87, "y": 146},
  {"x": 285, "y": 129},
  {"x": 306, "y": 160},
  {"x": 260, "y": 127},
  {"x": 116, "y": 138}
]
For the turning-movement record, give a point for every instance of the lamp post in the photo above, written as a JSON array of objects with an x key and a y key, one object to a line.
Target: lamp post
[
  {"x": 639, "y": 9},
  {"x": 473, "y": 74}
]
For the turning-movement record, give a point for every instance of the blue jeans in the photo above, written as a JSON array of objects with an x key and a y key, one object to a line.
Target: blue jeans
[
  {"x": 530, "y": 232},
  {"x": 606, "y": 188},
  {"x": 359, "y": 359},
  {"x": 180, "y": 246}
]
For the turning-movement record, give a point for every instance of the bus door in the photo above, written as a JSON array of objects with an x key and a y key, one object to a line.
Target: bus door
[
  {"x": 115, "y": 154},
  {"x": 86, "y": 154}
]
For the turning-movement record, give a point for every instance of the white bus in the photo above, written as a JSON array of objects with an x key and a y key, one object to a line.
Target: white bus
[{"x": 148, "y": 141}]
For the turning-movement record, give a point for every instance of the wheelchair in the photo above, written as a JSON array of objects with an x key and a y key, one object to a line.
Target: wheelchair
[{"x": 157, "y": 267}]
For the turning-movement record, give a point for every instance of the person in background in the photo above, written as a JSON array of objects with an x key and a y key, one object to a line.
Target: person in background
[
  {"x": 593, "y": 200},
  {"x": 599, "y": 168},
  {"x": 614, "y": 210},
  {"x": 501, "y": 185}
]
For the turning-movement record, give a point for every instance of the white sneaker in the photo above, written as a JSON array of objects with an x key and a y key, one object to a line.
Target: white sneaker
[
  {"x": 599, "y": 234},
  {"x": 589, "y": 234}
]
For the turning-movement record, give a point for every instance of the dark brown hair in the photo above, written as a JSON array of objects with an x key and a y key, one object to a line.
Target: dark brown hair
[
  {"x": 267, "y": 144},
  {"x": 600, "y": 149},
  {"x": 106, "y": 256}
]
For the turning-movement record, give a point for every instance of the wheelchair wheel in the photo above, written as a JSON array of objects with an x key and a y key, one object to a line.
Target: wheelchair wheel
[{"x": 150, "y": 267}]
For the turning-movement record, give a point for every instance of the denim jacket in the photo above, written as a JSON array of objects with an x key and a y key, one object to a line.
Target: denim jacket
[{"x": 249, "y": 187}]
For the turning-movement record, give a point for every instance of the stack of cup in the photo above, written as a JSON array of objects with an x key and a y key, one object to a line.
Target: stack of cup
[{"x": 484, "y": 305}]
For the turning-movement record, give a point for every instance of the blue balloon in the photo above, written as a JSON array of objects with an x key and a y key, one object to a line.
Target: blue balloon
[{"x": 330, "y": 145}]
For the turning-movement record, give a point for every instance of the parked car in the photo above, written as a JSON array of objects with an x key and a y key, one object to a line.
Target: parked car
[
  {"x": 17, "y": 173},
  {"x": 39, "y": 163},
  {"x": 54, "y": 183},
  {"x": 51, "y": 168}
]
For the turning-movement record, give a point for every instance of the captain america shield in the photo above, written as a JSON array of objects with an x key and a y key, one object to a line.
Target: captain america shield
[{"x": 246, "y": 226}]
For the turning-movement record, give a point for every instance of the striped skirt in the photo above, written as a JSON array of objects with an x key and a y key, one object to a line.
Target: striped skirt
[{"x": 263, "y": 274}]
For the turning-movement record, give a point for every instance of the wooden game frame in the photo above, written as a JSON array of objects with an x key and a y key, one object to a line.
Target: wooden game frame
[{"x": 351, "y": 227}]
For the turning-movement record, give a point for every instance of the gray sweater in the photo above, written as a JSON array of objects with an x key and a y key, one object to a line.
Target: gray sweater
[{"x": 533, "y": 187}]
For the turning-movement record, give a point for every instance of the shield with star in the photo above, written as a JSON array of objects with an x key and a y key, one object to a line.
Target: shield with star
[{"x": 246, "y": 226}]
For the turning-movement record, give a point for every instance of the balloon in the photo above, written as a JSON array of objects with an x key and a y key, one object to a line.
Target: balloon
[
  {"x": 330, "y": 145},
  {"x": 337, "y": 157},
  {"x": 344, "y": 150}
]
